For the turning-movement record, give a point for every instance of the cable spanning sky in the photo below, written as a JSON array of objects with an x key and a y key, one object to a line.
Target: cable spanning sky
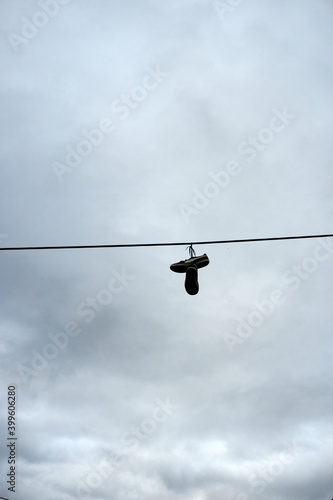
[{"x": 133, "y": 245}]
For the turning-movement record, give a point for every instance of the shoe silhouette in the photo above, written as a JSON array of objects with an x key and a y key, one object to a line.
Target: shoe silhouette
[
  {"x": 191, "y": 280},
  {"x": 190, "y": 267},
  {"x": 183, "y": 265}
]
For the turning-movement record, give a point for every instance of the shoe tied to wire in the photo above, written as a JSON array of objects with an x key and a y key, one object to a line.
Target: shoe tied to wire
[
  {"x": 184, "y": 265},
  {"x": 191, "y": 280}
]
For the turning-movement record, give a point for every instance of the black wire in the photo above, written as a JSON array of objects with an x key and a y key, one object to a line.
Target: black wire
[{"x": 127, "y": 245}]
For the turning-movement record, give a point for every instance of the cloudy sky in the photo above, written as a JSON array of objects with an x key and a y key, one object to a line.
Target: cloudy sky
[{"x": 144, "y": 122}]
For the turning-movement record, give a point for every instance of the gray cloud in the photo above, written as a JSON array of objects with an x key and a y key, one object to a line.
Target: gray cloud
[{"x": 126, "y": 386}]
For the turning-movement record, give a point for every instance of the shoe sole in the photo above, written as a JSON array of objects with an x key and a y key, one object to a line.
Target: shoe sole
[{"x": 191, "y": 281}]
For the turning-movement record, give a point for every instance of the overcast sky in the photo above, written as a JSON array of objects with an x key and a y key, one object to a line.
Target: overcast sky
[{"x": 148, "y": 121}]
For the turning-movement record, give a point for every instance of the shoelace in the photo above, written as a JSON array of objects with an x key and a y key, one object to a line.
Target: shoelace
[{"x": 191, "y": 251}]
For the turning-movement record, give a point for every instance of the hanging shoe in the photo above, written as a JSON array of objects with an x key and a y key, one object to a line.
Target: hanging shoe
[
  {"x": 183, "y": 265},
  {"x": 191, "y": 280}
]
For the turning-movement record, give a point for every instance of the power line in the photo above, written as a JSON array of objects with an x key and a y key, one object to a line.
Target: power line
[{"x": 128, "y": 245}]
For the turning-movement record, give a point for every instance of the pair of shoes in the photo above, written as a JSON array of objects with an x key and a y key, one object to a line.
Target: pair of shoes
[{"x": 190, "y": 267}]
